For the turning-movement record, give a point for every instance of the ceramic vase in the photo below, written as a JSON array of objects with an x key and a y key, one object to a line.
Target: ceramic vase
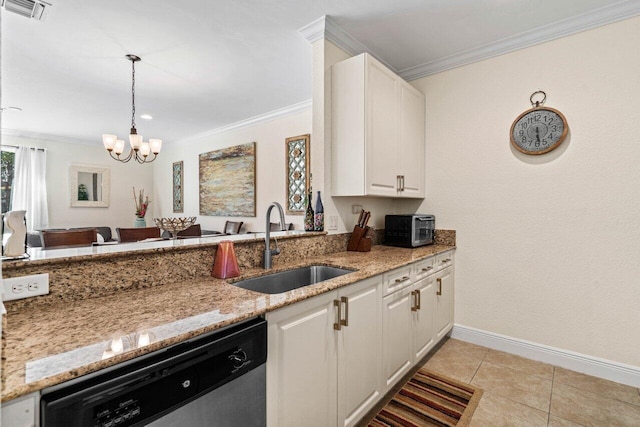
[
  {"x": 140, "y": 223},
  {"x": 225, "y": 264},
  {"x": 15, "y": 245}
]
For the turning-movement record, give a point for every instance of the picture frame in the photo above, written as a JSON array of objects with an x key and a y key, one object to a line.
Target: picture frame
[
  {"x": 178, "y": 187},
  {"x": 297, "y": 157},
  {"x": 227, "y": 181},
  {"x": 89, "y": 186}
]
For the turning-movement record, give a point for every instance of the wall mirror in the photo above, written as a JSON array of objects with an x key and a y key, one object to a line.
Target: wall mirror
[
  {"x": 297, "y": 152},
  {"x": 89, "y": 186}
]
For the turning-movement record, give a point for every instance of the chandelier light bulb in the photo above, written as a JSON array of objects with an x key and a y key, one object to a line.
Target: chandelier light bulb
[
  {"x": 119, "y": 147},
  {"x": 135, "y": 140},
  {"x": 145, "y": 149},
  {"x": 109, "y": 141},
  {"x": 156, "y": 145}
]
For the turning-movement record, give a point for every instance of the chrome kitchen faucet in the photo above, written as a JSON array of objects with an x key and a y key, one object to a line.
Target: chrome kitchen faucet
[{"x": 268, "y": 252}]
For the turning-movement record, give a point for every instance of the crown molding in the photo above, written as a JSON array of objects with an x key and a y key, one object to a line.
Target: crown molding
[
  {"x": 45, "y": 137},
  {"x": 266, "y": 117},
  {"x": 585, "y": 21},
  {"x": 326, "y": 28}
]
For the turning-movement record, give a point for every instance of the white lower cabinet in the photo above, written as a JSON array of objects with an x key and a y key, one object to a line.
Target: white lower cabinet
[
  {"x": 408, "y": 328},
  {"x": 423, "y": 311},
  {"x": 21, "y": 412},
  {"x": 444, "y": 301},
  {"x": 317, "y": 374},
  {"x": 397, "y": 341}
]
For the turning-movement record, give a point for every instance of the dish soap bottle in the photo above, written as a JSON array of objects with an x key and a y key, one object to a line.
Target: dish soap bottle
[
  {"x": 308, "y": 215},
  {"x": 318, "y": 223}
]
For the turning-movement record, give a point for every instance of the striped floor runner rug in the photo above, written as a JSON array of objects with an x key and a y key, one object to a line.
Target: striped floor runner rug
[{"x": 429, "y": 399}]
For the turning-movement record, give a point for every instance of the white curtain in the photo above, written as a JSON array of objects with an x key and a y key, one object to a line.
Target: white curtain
[{"x": 29, "y": 189}]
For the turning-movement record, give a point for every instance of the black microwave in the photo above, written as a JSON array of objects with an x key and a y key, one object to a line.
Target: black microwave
[{"x": 409, "y": 231}]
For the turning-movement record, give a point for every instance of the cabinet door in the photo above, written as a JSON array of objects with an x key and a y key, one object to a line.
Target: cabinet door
[
  {"x": 412, "y": 141},
  {"x": 381, "y": 131},
  {"x": 301, "y": 366},
  {"x": 359, "y": 350},
  {"x": 444, "y": 301},
  {"x": 424, "y": 317},
  {"x": 397, "y": 340}
]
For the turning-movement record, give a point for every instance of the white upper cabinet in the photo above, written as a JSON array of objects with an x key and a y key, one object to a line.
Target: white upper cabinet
[{"x": 378, "y": 131}]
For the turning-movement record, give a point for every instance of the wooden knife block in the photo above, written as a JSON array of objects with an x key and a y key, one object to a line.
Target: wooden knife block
[{"x": 359, "y": 241}]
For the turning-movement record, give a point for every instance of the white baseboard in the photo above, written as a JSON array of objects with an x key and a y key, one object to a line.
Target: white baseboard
[{"x": 601, "y": 368}]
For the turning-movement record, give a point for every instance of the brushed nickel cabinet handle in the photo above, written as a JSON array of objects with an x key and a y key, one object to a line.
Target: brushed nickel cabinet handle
[
  {"x": 345, "y": 322},
  {"x": 414, "y": 305},
  {"x": 337, "y": 325},
  {"x": 439, "y": 286}
]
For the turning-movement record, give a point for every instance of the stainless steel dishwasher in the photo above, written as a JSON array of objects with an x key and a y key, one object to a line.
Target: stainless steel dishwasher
[{"x": 218, "y": 379}]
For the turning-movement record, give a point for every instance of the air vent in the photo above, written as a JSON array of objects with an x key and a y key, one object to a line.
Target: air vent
[{"x": 28, "y": 8}]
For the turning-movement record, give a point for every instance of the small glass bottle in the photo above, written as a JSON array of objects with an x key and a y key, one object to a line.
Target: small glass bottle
[
  {"x": 318, "y": 223},
  {"x": 308, "y": 215}
]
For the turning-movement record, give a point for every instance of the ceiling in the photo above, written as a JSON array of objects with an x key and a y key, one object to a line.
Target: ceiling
[{"x": 208, "y": 64}]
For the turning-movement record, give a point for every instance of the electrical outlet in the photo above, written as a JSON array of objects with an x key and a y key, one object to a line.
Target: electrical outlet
[
  {"x": 356, "y": 209},
  {"x": 333, "y": 222},
  {"x": 25, "y": 286}
]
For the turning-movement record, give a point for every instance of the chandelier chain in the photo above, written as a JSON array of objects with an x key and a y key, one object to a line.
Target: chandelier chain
[{"x": 133, "y": 94}]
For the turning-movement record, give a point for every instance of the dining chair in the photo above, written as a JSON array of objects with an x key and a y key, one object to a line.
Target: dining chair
[
  {"x": 59, "y": 238},
  {"x": 193, "y": 231},
  {"x": 137, "y": 234},
  {"x": 232, "y": 227}
]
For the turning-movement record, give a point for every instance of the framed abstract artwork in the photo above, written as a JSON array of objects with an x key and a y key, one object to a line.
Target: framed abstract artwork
[
  {"x": 228, "y": 181},
  {"x": 297, "y": 158},
  {"x": 178, "y": 190}
]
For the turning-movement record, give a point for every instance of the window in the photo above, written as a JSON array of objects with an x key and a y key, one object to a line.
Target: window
[{"x": 7, "y": 172}]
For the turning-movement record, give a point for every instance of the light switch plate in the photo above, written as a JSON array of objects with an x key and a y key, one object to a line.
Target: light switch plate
[
  {"x": 333, "y": 222},
  {"x": 25, "y": 286}
]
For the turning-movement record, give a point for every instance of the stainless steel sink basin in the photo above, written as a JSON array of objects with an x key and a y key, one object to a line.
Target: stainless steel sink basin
[{"x": 284, "y": 281}]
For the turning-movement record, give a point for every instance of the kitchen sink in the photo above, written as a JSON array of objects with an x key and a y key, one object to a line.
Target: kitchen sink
[{"x": 288, "y": 280}]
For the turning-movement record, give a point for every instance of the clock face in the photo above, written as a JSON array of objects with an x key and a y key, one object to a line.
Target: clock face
[{"x": 539, "y": 130}]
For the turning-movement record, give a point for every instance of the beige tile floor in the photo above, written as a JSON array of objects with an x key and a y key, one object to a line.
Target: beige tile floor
[{"x": 522, "y": 392}]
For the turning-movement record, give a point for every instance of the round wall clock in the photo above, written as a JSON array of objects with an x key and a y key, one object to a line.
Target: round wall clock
[{"x": 539, "y": 129}]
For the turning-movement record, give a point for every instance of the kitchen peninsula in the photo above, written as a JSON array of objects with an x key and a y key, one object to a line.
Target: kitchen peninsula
[{"x": 165, "y": 291}]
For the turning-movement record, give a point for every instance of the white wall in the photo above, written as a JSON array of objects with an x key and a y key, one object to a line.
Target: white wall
[
  {"x": 61, "y": 155},
  {"x": 270, "y": 170},
  {"x": 548, "y": 246}
]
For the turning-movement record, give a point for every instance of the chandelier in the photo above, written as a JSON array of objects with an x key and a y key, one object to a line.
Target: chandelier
[{"x": 140, "y": 150}]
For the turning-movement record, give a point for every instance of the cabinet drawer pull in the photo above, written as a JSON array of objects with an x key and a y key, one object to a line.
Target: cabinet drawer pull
[
  {"x": 427, "y": 269},
  {"x": 401, "y": 182},
  {"x": 337, "y": 325},
  {"x": 419, "y": 298},
  {"x": 345, "y": 322},
  {"x": 414, "y": 305},
  {"x": 402, "y": 279},
  {"x": 445, "y": 260},
  {"x": 439, "y": 286}
]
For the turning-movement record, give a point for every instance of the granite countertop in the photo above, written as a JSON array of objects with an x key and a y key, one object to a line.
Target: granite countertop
[
  {"x": 41, "y": 256},
  {"x": 54, "y": 344}
]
